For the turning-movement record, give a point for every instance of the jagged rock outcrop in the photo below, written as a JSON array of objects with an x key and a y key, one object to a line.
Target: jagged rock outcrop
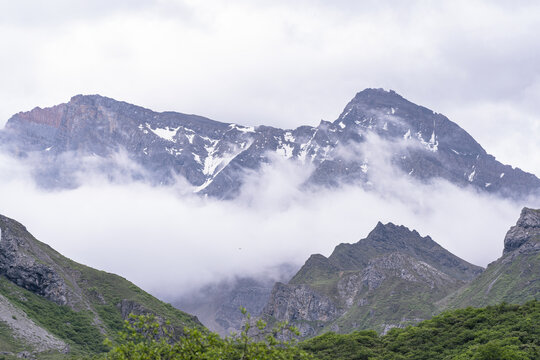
[
  {"x": 514, "y": 277},
  {"x": 391, "y": 278},
  {"x": 527, "y": 227},
  {"x": 27, "y": 265},
  {"x": 213, "y": 156},
  {"x": 128, "y": 307}
]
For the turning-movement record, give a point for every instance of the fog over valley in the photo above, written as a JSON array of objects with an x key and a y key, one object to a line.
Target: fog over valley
[{"x": 170, "y": 241}]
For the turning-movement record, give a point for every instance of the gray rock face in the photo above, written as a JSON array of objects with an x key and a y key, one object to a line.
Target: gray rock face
[
  {"x": 527, "y": 227},
  {"x": 249, "y": 294},
  {"x": 25, "y": 265},
  {"x": 298, "y": 304},
  {"x": 27, "y": 330},
  {"x": 213, "y": 156},
  {"x": 402, "y": 267},
  {"x": 128, "y": 307},
  {"x": 385, "y": 239}
]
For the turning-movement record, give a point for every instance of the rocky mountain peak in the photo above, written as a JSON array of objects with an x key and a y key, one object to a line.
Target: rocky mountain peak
[
  {"x": 529, "y": 218},
  {"x": 372, "y": 94},
  {"x": 526, "y": 228},
  {"x": 81, "y": 98},
  {"x": 373, "y": 283},
  {"x": 390, "y": 231}
]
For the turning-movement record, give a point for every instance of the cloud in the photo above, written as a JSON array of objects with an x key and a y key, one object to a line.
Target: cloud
[{"x": 171, "y": 242}]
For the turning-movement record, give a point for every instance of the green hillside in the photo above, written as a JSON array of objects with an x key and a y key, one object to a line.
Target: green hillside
[
  {"x": 513, "y": 278},
  {"x": 51, "y": 304},
  {"x": 500, "y": 332}
]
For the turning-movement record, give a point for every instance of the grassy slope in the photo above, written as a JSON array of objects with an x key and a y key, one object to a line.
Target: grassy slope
[
  {"x": 396, "y": 302},
  {"x": 511, "y": 280}
]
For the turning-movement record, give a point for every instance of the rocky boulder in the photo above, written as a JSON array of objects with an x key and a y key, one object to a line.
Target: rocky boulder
[
  {"x": 526, "y": 228},
  {"x": 25, "y": 265}
]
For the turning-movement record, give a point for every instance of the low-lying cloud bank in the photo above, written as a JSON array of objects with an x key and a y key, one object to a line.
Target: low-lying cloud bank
[{"x": 171, "y": 242}]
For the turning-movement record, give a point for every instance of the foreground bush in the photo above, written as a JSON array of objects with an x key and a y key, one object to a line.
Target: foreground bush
[
  {"x": 144, "y": 339},
  {"x": 502, "y": 332}
]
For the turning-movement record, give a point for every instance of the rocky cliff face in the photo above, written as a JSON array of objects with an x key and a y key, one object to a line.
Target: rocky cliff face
[
  {"x": 213, "y": 156},
  {"x": 26, "y": 264},
  {"x": 513, "y": 278},
  {"x": 300, "y": 305},
  {"x": 391, "y": 278},
  {"x": 526, "y": 228}
]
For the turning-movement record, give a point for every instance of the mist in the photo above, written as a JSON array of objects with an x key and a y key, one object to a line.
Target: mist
[{"x": 171, "y": 242}]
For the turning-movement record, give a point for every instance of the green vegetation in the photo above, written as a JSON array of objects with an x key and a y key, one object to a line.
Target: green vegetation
[
  {"x": 145, "y": 339},
  {"x": 496, "y": 332},
  {"x": 7, "y": 340},
  {"x": 105, "y": 291},
  {"x": 501, "y": 332},
  {"x": 512, "y": 279},
  {"x": 75, "y": 327}
]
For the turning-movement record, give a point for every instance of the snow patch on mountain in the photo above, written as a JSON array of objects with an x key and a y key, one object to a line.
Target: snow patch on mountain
[{"x": 165, "y": 133}]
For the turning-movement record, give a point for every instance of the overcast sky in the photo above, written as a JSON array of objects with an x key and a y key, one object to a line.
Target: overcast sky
[{"x": 284, "y": 63}]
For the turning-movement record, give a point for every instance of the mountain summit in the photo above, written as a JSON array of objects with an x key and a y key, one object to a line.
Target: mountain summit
[
  {"x": 213, "y": 156},
  {"x": 391, "y": 278}
]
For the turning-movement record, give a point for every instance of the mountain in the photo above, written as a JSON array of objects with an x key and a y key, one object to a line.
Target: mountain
[
  {"x": 513, "y": 278},
  {"x": 391, "y": 278},
  {"x": 213, "y": 156},
  {"x": 217, "y": 305},
  {"x": 49, "y": 303}
]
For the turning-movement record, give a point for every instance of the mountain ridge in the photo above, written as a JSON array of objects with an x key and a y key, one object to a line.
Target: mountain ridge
[{"x": 212, "y": 156}]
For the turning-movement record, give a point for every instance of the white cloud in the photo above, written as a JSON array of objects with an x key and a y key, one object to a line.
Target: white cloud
[{"x": 170, "y": 243}]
